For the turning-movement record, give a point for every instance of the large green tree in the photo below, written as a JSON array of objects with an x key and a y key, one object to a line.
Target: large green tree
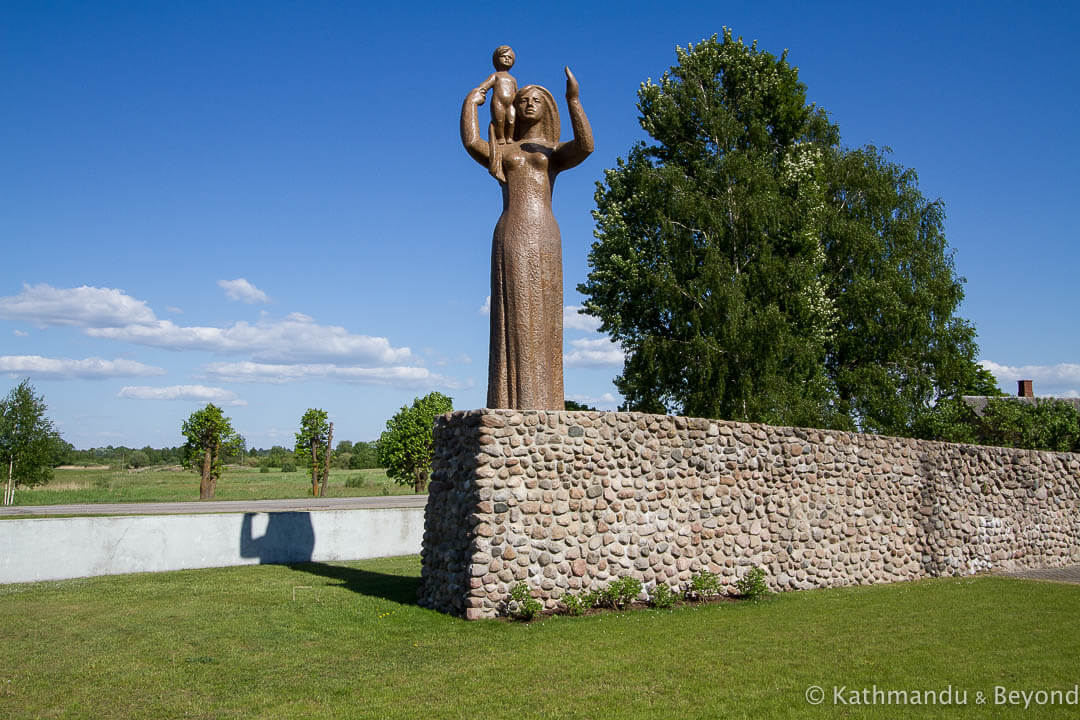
[
  {"x": 210, "y": 436},
  {"x": 405, "y": 447},
  {"x": 29, "y": 443},
  {"x": 753, "y": 269},
  {"x": 313, "y": 447}
]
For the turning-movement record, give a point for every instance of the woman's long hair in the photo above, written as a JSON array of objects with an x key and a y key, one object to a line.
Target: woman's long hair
[{"x": 550, "y": 128}]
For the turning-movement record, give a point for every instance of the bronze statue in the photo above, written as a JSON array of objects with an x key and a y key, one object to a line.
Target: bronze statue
[{"x": 525, "y": 368}]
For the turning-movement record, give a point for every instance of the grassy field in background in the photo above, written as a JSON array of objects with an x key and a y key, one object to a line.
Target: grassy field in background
[
  {"x": 162, "y": 485},
  {"x": 346, "y": 641}
]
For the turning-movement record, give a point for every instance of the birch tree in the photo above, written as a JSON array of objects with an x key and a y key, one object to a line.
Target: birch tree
[{"x": 28, "y": 439}]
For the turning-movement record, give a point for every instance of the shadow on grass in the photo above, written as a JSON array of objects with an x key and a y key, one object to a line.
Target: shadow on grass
[{"x": 395, "y": 588}]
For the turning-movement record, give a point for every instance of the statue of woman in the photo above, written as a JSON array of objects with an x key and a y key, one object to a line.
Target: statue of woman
[{"x": 525, "y": 368}]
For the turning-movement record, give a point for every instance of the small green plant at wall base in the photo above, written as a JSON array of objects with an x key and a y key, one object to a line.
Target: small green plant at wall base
[
  {"x": 578, "y": 604},
  {"x": 522, "y": 605},
  {"x": 620, "y": 593},
  {"x": 356, "y": 481},
  {"x": 703, "y": 586},
  {"x": 752, "y": 585},
  {"x": 662, "y": 597},
  {"x": 591, "y": 599}
]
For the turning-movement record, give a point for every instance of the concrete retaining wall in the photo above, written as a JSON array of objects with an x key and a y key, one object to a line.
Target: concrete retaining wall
[
  {"x": 569, "y": 501},
  {"x": 59, "y": 548}
]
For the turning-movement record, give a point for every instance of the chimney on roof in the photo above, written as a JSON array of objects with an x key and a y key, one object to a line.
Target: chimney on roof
[{"x": 1023, "y": 389}]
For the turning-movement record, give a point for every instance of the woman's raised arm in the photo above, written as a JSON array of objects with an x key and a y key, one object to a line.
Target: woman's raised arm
[
  {"x": 572, "y": 152},
  {"x": 470, "y": 126}
]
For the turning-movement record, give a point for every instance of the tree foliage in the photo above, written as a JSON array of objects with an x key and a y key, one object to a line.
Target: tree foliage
[
  {"x": 29, "y": 445},
  {"x": 405, "y": 446},
  {"x": 753, "y": 269},
  {"x": 1046, "y": 424},
  {"x": 209, "y": 437},
  {"x": 364, "y": 455},
  {"x": 277, "y": 456},
  {"x": 313, "y": 446},
  {"x": 953, "y": 420}
]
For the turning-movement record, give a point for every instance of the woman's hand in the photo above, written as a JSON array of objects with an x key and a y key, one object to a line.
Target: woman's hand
[
  {"x": 572, "y": 90},
  {"x": 478, "y": 96}
]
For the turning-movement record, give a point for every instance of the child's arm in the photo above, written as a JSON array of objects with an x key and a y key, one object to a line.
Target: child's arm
[{"x": 489, "y": 83}]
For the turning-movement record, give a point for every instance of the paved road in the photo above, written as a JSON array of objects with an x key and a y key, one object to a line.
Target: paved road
[
  {"x": 1070, "y": 574},
  {"x": 220, "y": 506}
]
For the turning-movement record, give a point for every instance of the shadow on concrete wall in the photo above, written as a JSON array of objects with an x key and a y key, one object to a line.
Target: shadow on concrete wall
[
  {"x": 289, "y": 538},
  {"x": 395, "y": 588}
]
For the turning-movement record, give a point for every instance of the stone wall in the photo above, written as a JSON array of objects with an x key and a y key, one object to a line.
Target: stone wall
[{"x": 568, "y": 501}]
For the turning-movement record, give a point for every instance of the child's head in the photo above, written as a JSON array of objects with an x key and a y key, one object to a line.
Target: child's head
[{"x": 503, "y": 57}]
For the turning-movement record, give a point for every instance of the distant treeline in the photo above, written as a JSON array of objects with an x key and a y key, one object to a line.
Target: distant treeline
[
  {"x": 121, "y": 456},
  {"x": 1046, "y": 425},
  {"x": 347, "y": 455}
]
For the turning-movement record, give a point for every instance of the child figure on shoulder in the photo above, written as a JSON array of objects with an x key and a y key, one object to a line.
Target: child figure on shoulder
[{"x": 504, "y": 89}]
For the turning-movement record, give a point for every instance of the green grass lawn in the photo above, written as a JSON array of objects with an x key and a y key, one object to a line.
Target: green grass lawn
[
  {"x": 161, "y": 485},
  {"x": 346, "y": 640}
]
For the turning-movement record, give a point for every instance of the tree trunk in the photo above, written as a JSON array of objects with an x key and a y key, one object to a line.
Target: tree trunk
[
  {"x": 314, "y": 467},
  {"x": 205, "y": 491},
  {"x": 421, "y": 480},
  {"x": 214, "y": 461},
  {"x": 326, "y": 460},
  {"x": 9, "y": 488}
]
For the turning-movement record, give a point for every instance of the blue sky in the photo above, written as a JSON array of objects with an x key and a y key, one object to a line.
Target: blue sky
[{"x": 267, "y": 204}]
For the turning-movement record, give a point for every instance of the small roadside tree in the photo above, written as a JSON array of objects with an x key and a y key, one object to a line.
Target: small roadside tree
[
  {"x": 405, "y": 446},
  {"x": 29, "y": 443},
  {"x": 313, "y": 446},
  {"x": 364, "y": 455},
  {"x": 278, "y": 456},
  {"x": 209, "y": 436}
]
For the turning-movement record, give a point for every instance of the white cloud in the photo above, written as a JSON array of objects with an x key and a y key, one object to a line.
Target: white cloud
[
  {"x": 573, "y": 319},
  {"x": 485, "y": 309},
  {"x": 594, "y": 352},
  {"x": 199, "y": 393},
  {"x": 174, "y": 310},
  {"x": 1061, "y": 380},
  {"x": 92, "y": 368},
  {"x": 242, "y": 290},
  {"x": 399, "y": 376},
  {"x": 275, "y": 433},
  {"x": 82, "y": 306},
  {"x": 297, "y": 338},
  {"x": 21, "y": 333}
]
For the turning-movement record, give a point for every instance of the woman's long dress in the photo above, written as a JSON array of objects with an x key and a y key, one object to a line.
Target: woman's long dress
[{"x": 525, "y": 368}]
